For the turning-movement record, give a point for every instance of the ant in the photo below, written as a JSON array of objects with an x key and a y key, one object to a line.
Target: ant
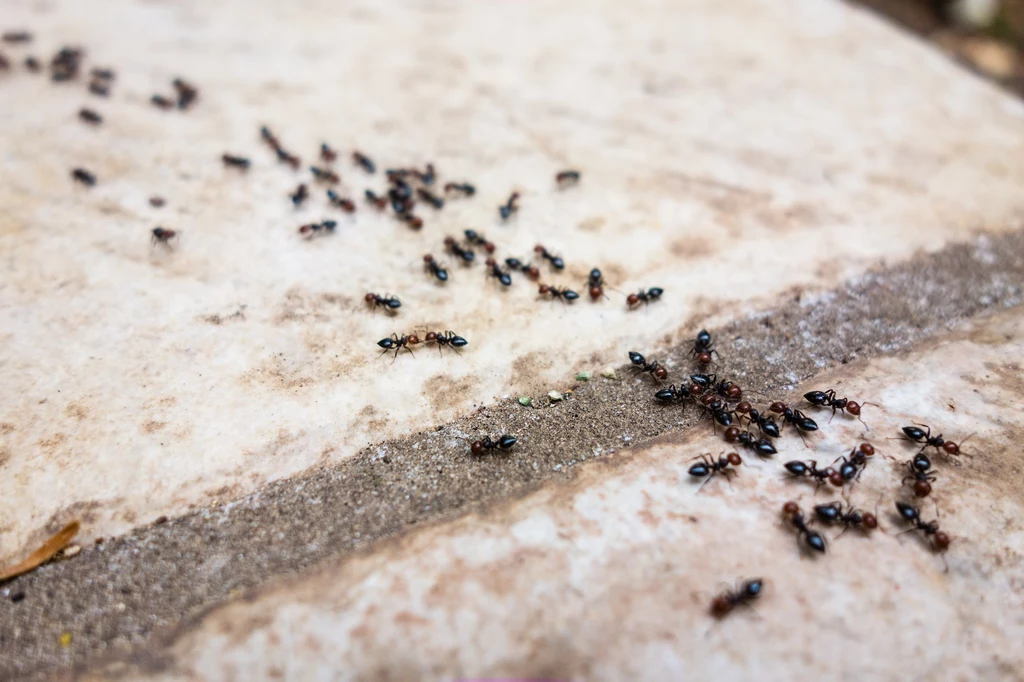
[
  {"x": 236, "y": 161},
  {"x": 672, "y": 394},
  {"x": 397, "y": 343},
  {"x": 833, "y": 512},
  {"x": 723, "y": 604},
  {"x": 925, "y": 436},
  {"x": 301, "y": 194},
  {"x": 346, "y": 205},
  {"x": 762, "y": 447},
  {"x": 98, "y": 88},
  {"x": 509, "y": 207},
  {"x": 709, "y": 467},
  {"x": 327, "y": 155},
  {"x": 703, "y": 347},
  {"x": 567, "y": 295},
  {"x": 290, "y": 159},
  {"x": 466, "y": 255},
  {"x": 596, "y": 283},
  {"x": 645, "y": 297},
  {"x": 435, "y": 268},
  {"x": 729, "y": 390},
  {"x": 911, "y": 514},
  {"x": 17, "y": 37},
  {"x": 312, "y": 228},
  {"x": 463, "y": 188},
  {"x": 474, "y": 237},
  {"x": 364, "y": 161},
  {"x": 426, "y": 177},
  {"x": 556, "y": 261},
  {"x": 161, "y": 102},
  {"x": 269, "y": 138},
  {"x": 415, "y": 222},
  {"x": 448, "y": 338},
  {"x": 187, "y": 93},
  {"x": 389, "y": 303},
  {"x": 828, "y": 399},
  {"x": 379, "y": 202},
  {"x": 90, "y": 116},
  {"x": 531, "y": 270},
  {"x": 498, "y": 273},
  {"x": 156, "y": 202},
  {"x": 812, "y": 539},
  {"x": 162, "y": 235},
  {"x": 432, "y": 199},
  {"x": 704, "y": 381},
  {"x": 853, "y": 466},
  {"x": 716, "y": 406},
  {"x": 567, "y": 178},
  {"x": 503, "y": 442},
  {"x": 655, "y": 370},
  {"x": 325, "y": 175},
  {"x": 921, "y": 473},
  {"x": 794, "y": 417},
  {"x": 810, "y": 469},
  {"x": 102, "y": 74},
  {"x": 765, "y": 423},
  {"x": 83, "y": 176}
]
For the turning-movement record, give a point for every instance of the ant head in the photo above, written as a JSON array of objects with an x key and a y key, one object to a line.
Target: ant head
[
  {"x": 539, "y": 248},
  {"x": 790, "y": 508},
  {"x": 867, "y": 448},
  {"x": 696, "y": 390},
  {"x": 370, "y": 298},
  {"x": 704, "y": 358},
  {"x": 734, "y": 459},
  {"x": 428, "y": 258},
  {"x": 853, "y": 408},
  {"x": 870, "y": 521},
  {"x": 533, "y": 272},
  {"x": 721, "y": 606},
  {"x": 543, "y": 289},
  {"x": 477, "y": 448},
  {"x": 449, "y": 241},
  {"x": 732, "y": 434},
  {"x": 941, "y": 540},
  {"x": 490, "y": 262},
  {"x": 777, "y": 407}
]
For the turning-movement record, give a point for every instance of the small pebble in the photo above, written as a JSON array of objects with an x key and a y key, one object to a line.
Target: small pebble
[
  {"x": 71, "y": 551},
  {"x": 65, "y": 639},
  {"x": 525, "y": 400},
  {"x": 608, "y": 372},
  {"x": 583, "y": 376},
  {"x": 554, "y": 396}
]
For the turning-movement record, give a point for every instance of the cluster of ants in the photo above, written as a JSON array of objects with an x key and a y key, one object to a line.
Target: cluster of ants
[{"x": 722, "y": 401}]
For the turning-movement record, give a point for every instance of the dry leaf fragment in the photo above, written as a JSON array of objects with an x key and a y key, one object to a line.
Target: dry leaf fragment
[{"x": 44, "y": 553}]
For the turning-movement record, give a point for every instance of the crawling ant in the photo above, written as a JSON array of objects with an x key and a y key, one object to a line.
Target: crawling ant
[
  {"x": 498, "y": 273},
  {"x": 463, "y": 188},
  {"x": 716, "y": 406},
  {"x": 762, "y": 447},
  {"x": 379, "y": 202},
  {"x": 35, "y": 66},
  {"x": 64, "y": 65},
  {"x": 556, "y": 261},
  {"x": 531, "y": 271},
  {"x": 703, "y": 381},
  {"x": 567, "y": 178},
  {"x": 428, "y": 176},
  {"x": 90, "y": 116},
  {"x": 83, "y": 176},
  {"x": 269, "y": 138},
  {"x": 728, "y": 390},
  {"x": 653, "y": 294},
  {"x": 364, "y": 162},
  {"x": 919, "y": 435},
  {"x": 300, "y": 195},
  {"x": 448, "y": 338},
  {"x": 853, "y": 465},
  {"x": 5, "y": 63},
  {"x": 163, "y": 236},
  {"x": 102, "y": 74},
  {"x": 723, "y": 604},
  {"x": 709, "y": 467},
  {"x": 325, "y": 175},
  {"x": 810, "y": 470},
  {"x": 503, "y": 442},
  {"x": 671, "y": 394},
  {"x": 187, "y": 93},
  {"x": 397, "y": 343},
  {"x": 98, "y": 88},
  {"x": 474, "y": 237},
  {"x": 286, "y": 157},
  {"x": 235, "y": 161},
  {"x": 466, "y": 255},
  {"x": 435, "y": 269},
  {"x": 346, "y": 205},
  {"x": 833, "y": 512},
  {"x": 327, "y": 155},
  {"x": 595, "y": 281},
  {"x": 389, "y": 303},
  {"x": 765, "y": 423},
  {"x": 567, "y": 295},
  {"x": 828, "y": 399},
  {"x": 794, "y": 417},
  {"x": 157, "y": 202},
  {"x": 653, "y": 368},
  {"x": 911, "y": 514},
  {"x": 430, "y": 198},
  {"x": 400, "y": 189},
  {"x": 813, "y": 539},
  {"x": 413, "y": 221},
  {"x": 921, "y": 473},
  {"x": 161, "y": 102},
  {"x": 326, "y": 226},
  {"x": 17, "y": 37},
  {"x": 703, "y": 348},
  {"x": 509, "y": 207}
]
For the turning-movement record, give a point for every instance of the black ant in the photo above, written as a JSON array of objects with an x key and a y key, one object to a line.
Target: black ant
[
  {"x": 645, "y": 297},
  {"x": 90, "y": 116},
  {"x": 389, "y": 303},
  {"x": 327, "y": 155},
  {"x": 98, "y": 88},
  {"x": 531, "y": 271},
  {"x": 430, "y": 198},
  {"x": 765, "y": 423},
  {"x": 828, "y": 399},
  {"x": 325, "y": 175},
  {"x": 704, "y": 381},
  {"x": 509, "y": 207},
  {"x": 157, "y": 202},
  {"x": 364, "y": 161},
  {"x": 435, "y": 268},
  {"x": 911, "y": 514},
  {"x": 813, "y": 539},
  {"x": 498, "y": 273},
  {"x": 810, "y": 469},
  {"x": 162, "y": 235},
  {"x": 925, "y": 436},
  {"x": 413, "y": 221},
  {"x": 161, "y": 102},
  {"x": 379, "y": 202},
  {"x": 567, "y": 178},
  {"x": 326, "y": 226},
  {"x": 102, "y": 74},
  {"x": 595, "y": 281},
  {"x": 723, "y": 604},
  {"x": 653, "y": 368},
  {"x": 556, "y": 261},
  {"x": 794, "y": 417},
  {"x": 187, "y": 93},
  {"x": 289, "y": 158},
  {"x": 921, "y": 473},
  {"x": 567, "y": 295},
  {"x": 17, "y": 37},
  {"x": 672, "y": 394},
  {"x": 448, "y": 338},
  {"x": 466, "y": 255},
  {"x": 64, "y": 65},
  {"x": 853, "y": 466},
  {"x": 474, "y": 237},
  {"x": 236, "y": 161},
  {"x": 717, "y": 407},
  {"x": 709, "y": 467},
  {"x": 83, "y": 176},
  {"x": 397, "y": 343},
  {"x": 460, "y": 188},
  {"x": 833, "y": 512},
  {"x": 762, "y": 447},
  {"x": 428, "y": 176},
  {"x": 703, "y": 348},
  {"x": 301, "y": 194},
  {"x": 504, "y": 442},
  {"x": 346, "y": 205}
]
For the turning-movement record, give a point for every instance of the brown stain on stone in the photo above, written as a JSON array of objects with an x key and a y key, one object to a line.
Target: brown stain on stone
[
  {"x": 152, "y": 426},
  {"x": 6, "y": 428},
  {"x": 5, "y": 456},
  {"x": 76, "y": 410},
  {"x": 53, "y": 443},
  {"x": 592, "y": 225},
  {"x": 443, "y": 391}
]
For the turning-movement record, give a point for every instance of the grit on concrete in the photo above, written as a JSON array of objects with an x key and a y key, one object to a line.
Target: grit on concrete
[{"x": 114, "y": 597}]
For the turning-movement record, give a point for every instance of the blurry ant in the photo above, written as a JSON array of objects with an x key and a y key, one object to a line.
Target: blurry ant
[
  {"x": 325, "y": 175},
  {"x": 187, "y": 93},
  {"x": 509, "y": 207},
  {"x": 364, "y": 161},
  {"x": 389, "y": 303},
  {"x": 269, "y": 138},
  {"x": 833, "y": 512},
  {"x": 397, "y": 343},
  {"x": 499, "y": 274},
  {"x": 239, "y": 162},
  {"x": 286, "y": 157},
  {"x": 653, "y": 368},
  {"x": 162, "y": 235},
  {"x": 413, "y": 221},
  {"x": 435, "y": 269},
  {"x": 466, "y": 255},
  {"x": 346, "y": 205},
  {"x": 463, "y": 188},
  {"x": 567, "y": 178},
  {"x": 98, "y": 88},
  {"x": 762, "y": 447},
  {"x": 645, "y": 297},
  {"x": 300, "y": 195},
  {"x": 448, "y": 338},
  {"x": 474, "y": 237},
  {"x": 430, "y": 198},
  {"x": 327, "y": 155},
  {"x": 828, "y": 399},
  {"x": 812, "y": 539},
  {"x": 379, "y": 202},
  {"x": 911, "y": 514},
  {"x": 749, "y": 590},
  {"x": 531, "y": 271},
  {"x": 312, "y": 229},
  {"x": 556, "y": 261},
  {"x": 765, "y": 423},
  {"x": 810, "y": 470},
  {"x": 161, "y": 102},
  {"x": 90, "y": 116},
  {"x": 921, "y": 474},
  {"x": 83, "y": 176},
  {"x": 703, "y": 348},
  {"x": 794, "y": 417},
  {"x": 925, "y": 436},
  {"x": 504, "y": 442},
  {"x": 427, "y": 176},
  {"x": 567, "y": 295},
  {"x": 595, "y": 281},
  {"x": 853, "y": 466},
  {"x": 708, "y": 467}
]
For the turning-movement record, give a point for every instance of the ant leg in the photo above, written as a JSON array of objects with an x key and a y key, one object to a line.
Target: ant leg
[
  {"x": 845, "y": 528},
  {"x": 710, "y": 476},
  {"x": 833, "y": 415}
]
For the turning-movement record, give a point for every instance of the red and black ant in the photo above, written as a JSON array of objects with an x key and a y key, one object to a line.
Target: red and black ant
[
  {"x": 431, "y": 198},
  {"x": 161, "y": 102},
  {"x": 833, "y": 512},
  {"x": 504, "y": 442},
  {"x": 762, "y": 447},
  {"x": 853, "y": 466},
  {"x": 727, "y": 389},
  {"x": 708, "y": 467},
  {"x": 474, "y": 237},
  {"x": 346, "y": 205},
  {"x": 496, "y": 272},
  {"x": 90, "y": 116},
  {"x": 828, "y": 399},
  {"x": 645, "y": 297},
  {"x": 286, "y": 157},
  {"x": 556, "y": 261},
  {"x": 925, "y": 436},
  {"x": 810, "y": 470},
  {"x": 379, "y": 202},
  {"x": 435, "y": 269},
  {"x": 672, "y": 394},
  {"x": 509, "y": 207},
  {"x": 716, "y": 407},
  {"x": 653, "y": 368},
  {"x": 397, "y": 343},
  {"x": 98, "y": 88},
  {"x": 765, "y": 423},
  {"x": 327, "y": 155},
  {"x": 939, "y": 539},
  {"x": 812, "y": 539},
  {"x": 749, "y": 590},
  {"x": 300, "y": 194},
  {"x": 427, "y": 176},
  {"x": 187, "y": 93},
  {"x": 325, "y": 175},
  {"x": 794, "y": 417},
  {"x": 389, "y": 303},
  {"x": 413, "y": 221},
  {"x": 567, "y": 295},
  {"x": 83, "y": 176},
  {"x": 595, "y": 282},
  {"x": 703, "y": 348},
  {"x": 269, "y": 138},
  {"x": 921, "y": 474},
  {"x": 465, "y": 255},
  {"x": 463, "y": 188},
  {"x": 311, "y": 229},
  {"x": 162, "y": 235},
  {"x": 531, "y": 271},
  {"x": 64, "y": 65},
  {"x": 364, "y": 162},
  {"x": 566, "y": 178},
  {"x": 234, "y": 161},
  {"x": 448, "y": 338},
  {"x": 17, "y": 37}
]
